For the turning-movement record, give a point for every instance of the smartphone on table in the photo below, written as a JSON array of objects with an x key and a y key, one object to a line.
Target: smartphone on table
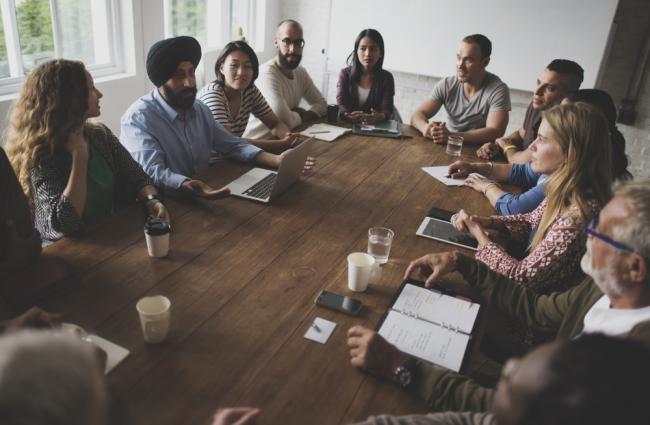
[{"x": 338, "y": 302}]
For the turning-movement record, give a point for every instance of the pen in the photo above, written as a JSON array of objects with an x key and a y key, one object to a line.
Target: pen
[
  {"x": 313, "y": 325},
  {"x": 319, "y": 132}
]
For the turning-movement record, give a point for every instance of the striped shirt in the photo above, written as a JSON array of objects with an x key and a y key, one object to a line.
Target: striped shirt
[{"x": 253, "y": 102}]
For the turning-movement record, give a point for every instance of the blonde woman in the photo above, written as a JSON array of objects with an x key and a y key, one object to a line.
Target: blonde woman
[
  {"x": 74, "y": 172},
  {"x": 573, "y": 149}
]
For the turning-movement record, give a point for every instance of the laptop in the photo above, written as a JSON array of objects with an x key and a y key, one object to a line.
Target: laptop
[{"x": 264, "y": 185}]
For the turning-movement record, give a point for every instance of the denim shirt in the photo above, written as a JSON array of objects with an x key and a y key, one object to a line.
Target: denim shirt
[{"x": 522, "y": 175}]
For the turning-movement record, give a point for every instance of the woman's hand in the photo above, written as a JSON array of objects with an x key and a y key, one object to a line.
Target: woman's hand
[
  {"x": 473, "y": 224},
  {"x": 373, "y": 117},
  {"x": 461, "y": 169},
  {"x": 76, "y": 143},
  {"x": 354, "y": 116},
  {"x": 157, "y": 210},
  {"x": 479, "y": 184},
  {"x": 291, "y": 140}
]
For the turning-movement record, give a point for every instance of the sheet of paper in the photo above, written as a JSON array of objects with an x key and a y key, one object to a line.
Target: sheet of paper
[
  {"x": 325, "y": 132},
  {"x": 436, "y": 307},
  {"x": 322, "y": 334},
  {"x": 422, "y": 339},
  {"x": 440, "y": 173},
  {"x": 114, "y": 353}
]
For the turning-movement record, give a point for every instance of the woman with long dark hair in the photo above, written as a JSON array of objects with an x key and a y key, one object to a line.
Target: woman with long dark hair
[
  {"x": 365, "y": 90},
  {"x": 232, "y": 97}
]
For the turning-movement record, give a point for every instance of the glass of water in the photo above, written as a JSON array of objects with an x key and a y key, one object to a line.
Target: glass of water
[
  {"x": 454, "y": 145},
  {"x": 380, "y": 240}
]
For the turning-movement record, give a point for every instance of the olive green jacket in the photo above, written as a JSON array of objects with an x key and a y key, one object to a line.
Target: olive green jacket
[{"x": 560, "y": 313}]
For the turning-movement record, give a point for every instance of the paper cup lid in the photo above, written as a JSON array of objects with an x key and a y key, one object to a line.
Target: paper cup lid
[{"x": 156, "y": 227}]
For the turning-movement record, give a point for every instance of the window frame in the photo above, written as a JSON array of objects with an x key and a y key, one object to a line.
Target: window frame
[{"x": 10, "y": 85}]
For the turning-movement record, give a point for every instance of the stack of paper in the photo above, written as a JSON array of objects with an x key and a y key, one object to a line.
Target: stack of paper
[{"x": 325, "y": 132}]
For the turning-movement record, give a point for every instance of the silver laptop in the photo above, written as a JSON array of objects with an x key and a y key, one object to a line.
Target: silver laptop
[{"x": 264, "y": 185}]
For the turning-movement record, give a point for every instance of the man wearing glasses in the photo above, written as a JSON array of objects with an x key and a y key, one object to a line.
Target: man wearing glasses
[
  {"x": 613, "y": 300},
  {"x": 284, "y": 83}
]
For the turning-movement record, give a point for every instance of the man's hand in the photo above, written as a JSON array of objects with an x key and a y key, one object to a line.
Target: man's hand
[
  {"x": 371, "y": 352},
  {"x": 440, "y": 133},
  {"x": 460, "y": 169},
  {"x": 432, "y": 267},
  {"x": 236, "y": 416},
  {"x": 35, "y": 318},
  {"x": 198, "y": 188},
  {"x": 488, "y": 151}
]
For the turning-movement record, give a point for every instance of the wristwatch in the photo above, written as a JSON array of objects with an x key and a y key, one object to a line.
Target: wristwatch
[{"x": 404, "y": 372}]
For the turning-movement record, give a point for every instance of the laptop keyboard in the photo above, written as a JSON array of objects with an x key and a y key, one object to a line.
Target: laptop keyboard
[{"x": 262, "y": 189}]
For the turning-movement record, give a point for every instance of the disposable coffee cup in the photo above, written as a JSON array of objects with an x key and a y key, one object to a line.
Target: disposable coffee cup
[
  {"x": 155, "y": 316},
  {"x": 332, "y": 113},
  {"x": 363, "y": 270},
  {"x": 156, "y": 233}
]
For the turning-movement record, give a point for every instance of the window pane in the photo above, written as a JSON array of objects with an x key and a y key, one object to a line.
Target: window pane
[
  {"x": 188, "y": 17},
  {"x": 4, "y": 61},
  {"x": 34, "y": 31},
  {"x": 240, "y": 15},
  {"x": 83, "y": 30}
]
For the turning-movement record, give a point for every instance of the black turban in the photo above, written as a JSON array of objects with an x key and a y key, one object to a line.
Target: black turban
[{"x": 165, "y": 55}]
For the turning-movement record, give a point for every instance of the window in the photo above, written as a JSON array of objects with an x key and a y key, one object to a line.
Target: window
[
  {"x": 216, "y": 22},
  {"x": 34, "y": 31}
]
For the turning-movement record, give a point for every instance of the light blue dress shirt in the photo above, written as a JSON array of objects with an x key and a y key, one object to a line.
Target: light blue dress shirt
[
  {"x": 171, "y": 149},
  {"x": 522, "y": 175}
]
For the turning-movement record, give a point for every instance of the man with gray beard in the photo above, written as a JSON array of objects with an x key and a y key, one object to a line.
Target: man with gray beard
[{"x": 613, "y": 300}]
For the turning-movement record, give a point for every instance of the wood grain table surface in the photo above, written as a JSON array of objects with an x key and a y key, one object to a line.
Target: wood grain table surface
[{"x": 242, "y": 278}]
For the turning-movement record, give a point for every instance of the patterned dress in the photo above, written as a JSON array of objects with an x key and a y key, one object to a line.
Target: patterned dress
[{"x": 554, "y": 264}]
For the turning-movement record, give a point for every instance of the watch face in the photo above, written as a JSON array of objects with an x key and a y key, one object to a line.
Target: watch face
[{"x": 403, "y": 376}]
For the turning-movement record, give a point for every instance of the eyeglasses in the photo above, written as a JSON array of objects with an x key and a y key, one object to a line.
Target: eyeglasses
[
  {"x": 298, "y": 42},
  {"x": 590, "y": 229}
]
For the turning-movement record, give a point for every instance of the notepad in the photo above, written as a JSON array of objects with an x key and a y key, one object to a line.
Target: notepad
[
  {"x": 430, "y": 324},
  {"x": 325, "y": 132}
]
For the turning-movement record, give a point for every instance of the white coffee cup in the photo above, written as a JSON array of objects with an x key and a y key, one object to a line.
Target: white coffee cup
[
  {"x": 156, "y": 233},
  {"x": 363, "y": 269},
  {"x": 155, "y": 316}
]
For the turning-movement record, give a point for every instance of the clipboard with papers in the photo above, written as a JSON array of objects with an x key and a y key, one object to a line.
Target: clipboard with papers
[{"x": 430, "y": 324}]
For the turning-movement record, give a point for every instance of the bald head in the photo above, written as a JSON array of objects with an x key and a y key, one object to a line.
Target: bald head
[{"x": 285, "y": 25}]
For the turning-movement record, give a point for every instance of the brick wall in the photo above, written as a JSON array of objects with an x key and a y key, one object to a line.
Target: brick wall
[{"x": 411, "y": 89}]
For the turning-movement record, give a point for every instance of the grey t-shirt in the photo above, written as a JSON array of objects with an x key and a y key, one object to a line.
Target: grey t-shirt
[{"x": 464, "y": 115}]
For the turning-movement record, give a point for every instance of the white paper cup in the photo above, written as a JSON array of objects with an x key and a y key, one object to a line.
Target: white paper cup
[
  {"x": 155, "y": 315},
  {"x": 363, "y": 269},
  {"x": 156, "y": 233}
]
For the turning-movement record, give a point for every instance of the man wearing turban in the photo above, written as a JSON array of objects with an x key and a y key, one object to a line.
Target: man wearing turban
[{"x": 171, "y": 134}]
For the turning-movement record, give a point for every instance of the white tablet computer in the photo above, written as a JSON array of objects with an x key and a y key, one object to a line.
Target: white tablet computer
[{"x": 443, "y": 231}]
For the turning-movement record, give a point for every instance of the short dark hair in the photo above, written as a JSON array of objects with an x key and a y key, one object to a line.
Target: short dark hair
[
  {"x": 484, "y": 43},
  {"x": 228, "y": 49},
  {"x": 353, "y": 59},
  {"x": 594, "y": 379},
  {"x": 569, "y": 68}
]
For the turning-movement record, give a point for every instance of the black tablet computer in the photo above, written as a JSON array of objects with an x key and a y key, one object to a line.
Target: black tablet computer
[{"x": 443, "y": 231}]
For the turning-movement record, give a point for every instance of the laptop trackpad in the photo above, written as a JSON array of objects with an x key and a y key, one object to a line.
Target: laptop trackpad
[{"x": 249, "y": 179}]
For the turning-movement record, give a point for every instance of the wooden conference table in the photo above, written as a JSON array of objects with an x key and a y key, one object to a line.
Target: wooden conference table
[{"x": 242, "y": 278}]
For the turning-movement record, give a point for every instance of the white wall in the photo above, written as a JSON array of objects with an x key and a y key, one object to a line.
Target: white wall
[
  {"x": 413, "y": 86},
  {"x": 143, "y": 26}
]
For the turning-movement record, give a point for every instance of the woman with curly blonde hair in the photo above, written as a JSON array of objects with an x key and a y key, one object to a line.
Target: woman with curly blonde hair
[
  {"x": 75, "y": 172},
  {"x": 573, "y": 148}
]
